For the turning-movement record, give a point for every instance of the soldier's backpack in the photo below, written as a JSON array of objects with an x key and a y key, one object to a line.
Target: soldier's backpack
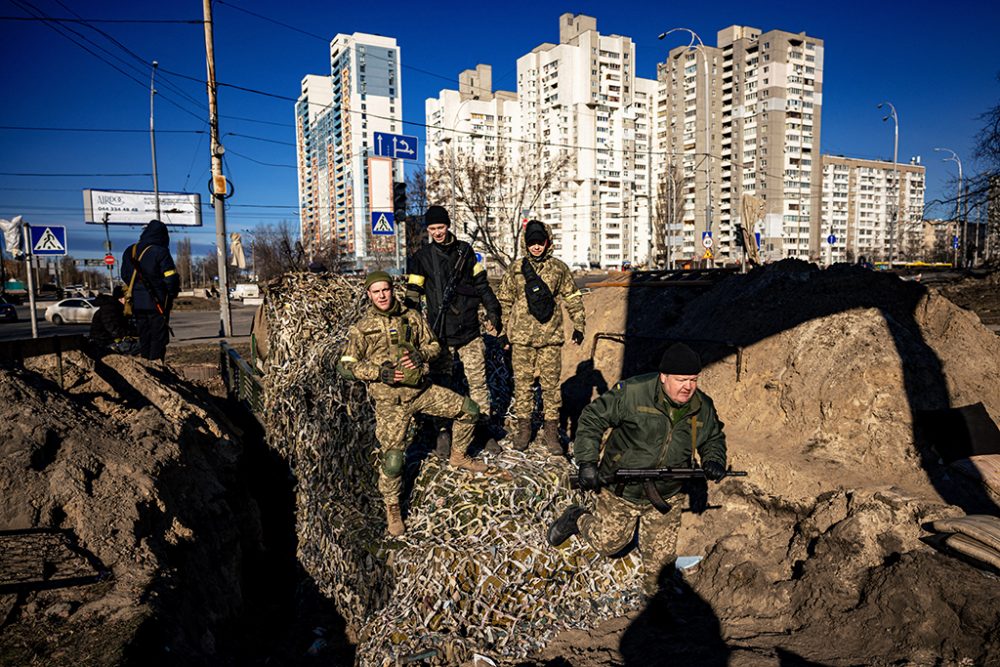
[
  {"x": 541, "y": 302},
  {"x": 131, "y": 283}
]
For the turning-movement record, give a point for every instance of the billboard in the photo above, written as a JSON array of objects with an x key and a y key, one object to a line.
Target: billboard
[
  {"x": 379, "y": 184},
  {"x": 134, "y": 207}
]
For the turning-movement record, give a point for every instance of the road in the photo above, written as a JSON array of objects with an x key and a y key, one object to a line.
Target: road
[{"x": 194, "y": 326}]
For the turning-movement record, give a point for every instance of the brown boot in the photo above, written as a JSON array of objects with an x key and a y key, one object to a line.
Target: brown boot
[
  {"x": 395, "y": 518},
  {"x": 550, "y": 430},
  {"x": 522, "y": 438},
  {"x": 460, "y": 459}
]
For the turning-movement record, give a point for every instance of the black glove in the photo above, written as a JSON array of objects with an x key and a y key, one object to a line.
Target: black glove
[
  {"x": 504, "y": 342},
  {"x": 714, "y": 471},
  {"x": 589, "y": 481},
  {"x": 577, "y": 336},
  {"x": 497, "y": 324},
  {"x": 388, "y": 373},
  {"x": 416, "y": 357}
]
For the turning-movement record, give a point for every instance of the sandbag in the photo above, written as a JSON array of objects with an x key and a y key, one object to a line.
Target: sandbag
[
  {"x": 984, "y": 468},
  {"x": 980, "y": 527},
  {"x": 974, "y": 549}
]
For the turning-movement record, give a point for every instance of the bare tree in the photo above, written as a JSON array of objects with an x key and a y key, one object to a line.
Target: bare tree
[
  {"x": 668, "y": 211},
  {"x": 184, "y": 262},
  {"x": 492, "y": 191},
  {"x": 276, "y": 251}
]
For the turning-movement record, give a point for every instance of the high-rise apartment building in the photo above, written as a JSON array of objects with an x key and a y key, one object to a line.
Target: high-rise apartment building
[
  {"x": 336, "y": 117},
  {"x": 859, "y": 204},
  {"x": 471, "y": 125},
  {"x": 743, "y": 118}
]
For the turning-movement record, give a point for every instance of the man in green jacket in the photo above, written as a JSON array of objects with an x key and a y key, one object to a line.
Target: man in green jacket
[{"x": 657, "y": 420}]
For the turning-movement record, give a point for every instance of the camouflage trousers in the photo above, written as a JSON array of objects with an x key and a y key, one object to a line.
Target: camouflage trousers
[
  {"x": 473, "y": 356},
  {"x": 544, "y": 363},
  {"x": 612, "y": 526},
  {"x": 394, "y": 428}
]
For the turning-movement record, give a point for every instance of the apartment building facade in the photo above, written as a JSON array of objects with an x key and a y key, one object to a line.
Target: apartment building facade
[
  {"x": 743, "y": 118},
  {"x": 336, "y": 117},
  {"x": 860, "y": 199}
]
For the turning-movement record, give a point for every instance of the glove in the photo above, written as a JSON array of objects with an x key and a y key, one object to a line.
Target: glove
[
  {"x": 587, "y": 476},
  {"x": 416, "y": 357},
  {"x": 577, "y": 336},
  {"x": 714, "y": 471},
  {"x": 387, "y": 374},
  {"x": 497, "y": 324},
  {"x": 504, "y": 342}
]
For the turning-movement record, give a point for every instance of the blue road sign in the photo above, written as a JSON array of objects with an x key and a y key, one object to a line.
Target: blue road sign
[
  {"x": 48, "y": 240},
  {"x": 706, "y": 239},
  {"x": 954, "y": 242},
  {"x": 831, "y": 239},
  {"x": 401, "y": 146},
  {"x": 382, "y": 223},
  {"x": 756, "y": 236}
]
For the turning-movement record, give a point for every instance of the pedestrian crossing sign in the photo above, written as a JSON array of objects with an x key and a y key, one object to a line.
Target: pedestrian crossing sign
[
  {"x": 382, "y": 223},
  {"x": 48, "y": 240}
]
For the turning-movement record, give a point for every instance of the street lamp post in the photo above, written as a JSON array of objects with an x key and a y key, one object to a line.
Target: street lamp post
[
  {"x": 152, "y": 137},
  {"x": 697, "y": 44},
  {"x": 451, "y": 146},
  {"x": 895, "y": 162},
  {"x": 958, "y": 202}
]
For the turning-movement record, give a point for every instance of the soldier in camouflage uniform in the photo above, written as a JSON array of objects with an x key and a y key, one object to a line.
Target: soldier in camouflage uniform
[
  {"x": 536, "y": 342},
  {"x": 389, "y": 348},
  {"x": 656, "y": 420}
]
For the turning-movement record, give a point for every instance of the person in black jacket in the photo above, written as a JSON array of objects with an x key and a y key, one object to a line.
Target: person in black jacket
[
  {"x": 110, "y": 330},
  {"x": 455, "y": 324},
  {"x": 154, "y": 287}
]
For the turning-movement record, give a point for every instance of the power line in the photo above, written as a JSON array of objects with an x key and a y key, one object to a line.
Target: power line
[
  {"x": 33, "y": 174},
  {"x": 95, "y": 129},
  {"x": 80, "y": 20}
]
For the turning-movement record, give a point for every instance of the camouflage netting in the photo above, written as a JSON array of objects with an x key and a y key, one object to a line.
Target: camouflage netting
[{"x": 473, "y": 573}]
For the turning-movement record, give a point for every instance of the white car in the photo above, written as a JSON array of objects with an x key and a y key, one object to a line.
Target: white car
[{"x": 71, "y": 311}]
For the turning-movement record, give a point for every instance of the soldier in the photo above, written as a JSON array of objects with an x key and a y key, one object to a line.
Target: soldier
[
  {"x": 656, "y": 420},
  {"x": 456, "y": 323},
  {"x": 530, "y": 293},
  {"x": 389, "y": 349}
]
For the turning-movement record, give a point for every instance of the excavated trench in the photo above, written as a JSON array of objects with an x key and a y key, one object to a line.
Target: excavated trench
[{"x": 228, "y": 548}]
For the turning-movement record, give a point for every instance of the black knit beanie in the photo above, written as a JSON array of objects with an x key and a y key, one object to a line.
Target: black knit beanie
[
  {"x": 437, "y": 215},
  {"x": 679, "y": 359}
]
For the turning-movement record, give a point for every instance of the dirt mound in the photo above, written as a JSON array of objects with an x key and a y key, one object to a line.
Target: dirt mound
[
  {"x": 819, "y": 553},
  {"x": 130, "y": 468}
]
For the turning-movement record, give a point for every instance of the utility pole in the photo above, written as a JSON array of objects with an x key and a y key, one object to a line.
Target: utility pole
[
  {"x": 218, "y": 180},
  {"x": 152, "y": 138},
  {"x": 107, "y": 249}
]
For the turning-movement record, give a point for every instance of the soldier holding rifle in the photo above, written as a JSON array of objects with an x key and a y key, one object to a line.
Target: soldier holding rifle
[{"x": 657, "y": 421}]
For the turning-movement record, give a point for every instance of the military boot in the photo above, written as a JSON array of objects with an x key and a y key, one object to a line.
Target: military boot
[
  {"x": 460, "y": 459},
  {"x": 566, "y": 525},
  {"x": 394, "y": 516},
  {"x": 443, "y": 445},
  {"x": 550, "y": 431},
  {"x": 485, "y": 427},
  {"x": 522, "y": 438}
]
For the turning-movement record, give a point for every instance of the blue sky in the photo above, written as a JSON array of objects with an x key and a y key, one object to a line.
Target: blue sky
[{"x": 936, "y": 63}]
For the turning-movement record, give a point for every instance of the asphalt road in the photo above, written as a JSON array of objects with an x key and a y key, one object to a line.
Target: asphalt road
[{"x": 195, "y": 326}]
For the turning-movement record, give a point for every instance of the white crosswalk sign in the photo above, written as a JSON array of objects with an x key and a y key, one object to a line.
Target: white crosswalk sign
[
  {"x": 50, "y": 240},
  {"x": 382, "y": 223}
]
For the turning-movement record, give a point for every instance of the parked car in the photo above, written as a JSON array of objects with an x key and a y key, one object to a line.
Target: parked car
[
  {"x": 71, "y": 311},
  {"x": 7, "y": 311}
]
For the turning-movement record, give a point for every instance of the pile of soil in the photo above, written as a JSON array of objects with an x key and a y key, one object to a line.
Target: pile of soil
[
  {"x": 137, "y": 469},
  {"x": 820, "y": 553},
  {"x": 979, "y": 293}
]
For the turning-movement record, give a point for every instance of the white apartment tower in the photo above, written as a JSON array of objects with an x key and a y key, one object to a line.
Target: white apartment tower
[
  {"x": 583, "y": 107},
  {"x": 859, "y": 203},
  {"x": 473, "y": 123},
  {"x": 336, "y": 117},
  {"x": 743, "y": 118}
]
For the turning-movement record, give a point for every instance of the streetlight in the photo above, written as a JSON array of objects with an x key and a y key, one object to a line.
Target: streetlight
[
  {"x": 695, "y": 44},
  {"x": 958, "y": 202},
  {"x": 451, "y": 145},
  {"x": 894, "y": 227},
  {"x": 152, "y": 137}
]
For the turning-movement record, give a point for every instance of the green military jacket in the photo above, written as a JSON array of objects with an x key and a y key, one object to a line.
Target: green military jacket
[
  {"x": 375, "y": 339},
  {"x": 519, "y": 324},
  {"x": 643, "y": 435}
]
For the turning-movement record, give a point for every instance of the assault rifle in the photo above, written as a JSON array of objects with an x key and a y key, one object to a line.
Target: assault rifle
[
  {"x": 648, "y": 478},
  {"x": 451, "y": 289},
  {"x": 625, "y": 476}
]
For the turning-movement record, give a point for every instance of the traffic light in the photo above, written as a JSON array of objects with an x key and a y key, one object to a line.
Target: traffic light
[{"x": 399, "y": 200}]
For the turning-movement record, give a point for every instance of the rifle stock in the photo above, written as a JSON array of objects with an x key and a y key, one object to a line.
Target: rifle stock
[{"x": 448, "y": 295}]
